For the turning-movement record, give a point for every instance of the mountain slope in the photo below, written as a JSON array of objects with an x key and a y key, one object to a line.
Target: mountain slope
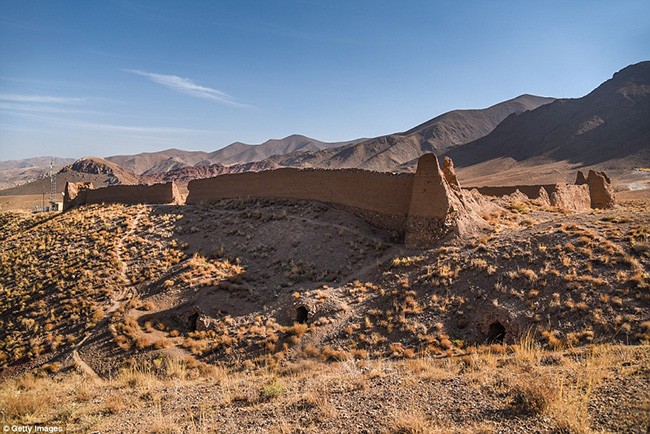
[
  {"x": 89, "y": 169},
  {"x": 386, "y": 153},
  {"x": 186, "y": 174},
  {"x": 609, "y": 127},
  {"x": 17, "y": 172},
  {"x": 150, "y": 163},
  {"x": 154, "y": 162},
  {"x": 34, "y": 162},
  {"x": 238, "y": 153}
]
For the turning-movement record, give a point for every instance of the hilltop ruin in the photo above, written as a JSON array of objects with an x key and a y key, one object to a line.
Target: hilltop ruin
[{"x": 423, "y": 208}]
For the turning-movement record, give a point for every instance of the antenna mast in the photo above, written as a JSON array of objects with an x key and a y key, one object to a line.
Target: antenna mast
[{"x": 52, "y": 183}]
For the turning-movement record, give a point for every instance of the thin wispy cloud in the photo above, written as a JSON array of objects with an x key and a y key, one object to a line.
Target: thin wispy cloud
[
  {"x": 117, "y": 128},
  {"x": 138, "y": 129},
  {"x": 188, "y": 87},
  {"x": 40, "y": 99},
  {"x": 13, "y": 107}
]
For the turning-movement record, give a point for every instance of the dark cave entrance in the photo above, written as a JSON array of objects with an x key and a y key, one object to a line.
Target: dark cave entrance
[
  {"x": 302, "y": 314},
  {"x": 496, "y": 333},
  {"x": 192, "y": 321}
]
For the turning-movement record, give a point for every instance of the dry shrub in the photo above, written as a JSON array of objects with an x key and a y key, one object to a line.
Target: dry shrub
[
  {"x": 143, "y": 342},
  {"x": 297, "y": 329},
  {"x": 26, "y": 397},
  {"x": 114, "y": 404},
  {"x": 531, "y": 395},
  {"x": 413, "y": 421},
  {"x": 329, "y": 353},
  {"x": 272, "y": 390}
]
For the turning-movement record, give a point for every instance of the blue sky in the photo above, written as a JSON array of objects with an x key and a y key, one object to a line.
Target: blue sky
[{"x": 127, "y": 76}]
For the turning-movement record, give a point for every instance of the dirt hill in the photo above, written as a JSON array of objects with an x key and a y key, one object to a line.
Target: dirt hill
[
  {"x": 446, "y": 131},
  {"x": 155, "y": 162},
  {"x": 90, "y": 169},
  {"x": 184, "y": 175},
  {"x": 17, "y": 172},
  {"x": 243, "y": 153},
  {"x": 609, "y": 129},
  {"x": 298, "y": 311}
]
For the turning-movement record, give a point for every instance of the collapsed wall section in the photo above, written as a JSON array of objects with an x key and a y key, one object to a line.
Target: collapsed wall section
[
  {"x": 76, "y": 194},
  {"x": 592, "y": 191},
  {"x": 571, "y": 197},
  {"x": 382, "y": 199},
  {"x": 532, "y": 191}
]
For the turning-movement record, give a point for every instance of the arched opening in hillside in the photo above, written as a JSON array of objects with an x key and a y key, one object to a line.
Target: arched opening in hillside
[
  {"x": 192, "y": 321},
  {"x": 302, "y": 314},
  {"x": 496, "y": 333}
]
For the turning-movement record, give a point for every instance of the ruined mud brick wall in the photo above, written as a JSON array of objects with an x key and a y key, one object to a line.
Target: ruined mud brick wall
[
  {"x": 532, "y": 191},
  {"x": 422, "y": 207},
  {"x": 382, "y": 199},
  {"x": 74, "y": 194},
  {"x": 601, "y": 190},
  {"x": 571, "y": 197},
  {"x": 126, "y": 194},
  {"x": 592, "y": 191},
  {"x": 428, "y": 213}
]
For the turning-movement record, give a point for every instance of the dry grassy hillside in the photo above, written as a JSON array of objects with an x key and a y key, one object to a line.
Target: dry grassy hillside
[{"x": 293, "y": 316}]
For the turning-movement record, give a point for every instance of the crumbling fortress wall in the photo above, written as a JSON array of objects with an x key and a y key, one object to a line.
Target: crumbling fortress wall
[
  {"x": 383, "y": 199},
  {"x": 82, "y": 193},
  {"x": 421, "y": 207},
  {"x": 601, "y": 192},
  {"x": 532, "y": 191},
  {"x": 593, "y": 191}
]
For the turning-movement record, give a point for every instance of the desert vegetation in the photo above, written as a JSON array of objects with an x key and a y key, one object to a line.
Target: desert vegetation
[
  {"x": 293, "y": 316},
  {"x": 523, "y": 388}
]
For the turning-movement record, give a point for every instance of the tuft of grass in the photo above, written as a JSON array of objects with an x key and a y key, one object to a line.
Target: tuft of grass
[{"x": 272, "y": 390}]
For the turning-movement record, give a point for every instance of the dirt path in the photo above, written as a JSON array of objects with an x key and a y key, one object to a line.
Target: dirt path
[
  {"x": 117, "y": 303},
  {"x": 85, "y": 367},
  {"x": 129, "y": 289},
  {"x": 120, "y": 243}
]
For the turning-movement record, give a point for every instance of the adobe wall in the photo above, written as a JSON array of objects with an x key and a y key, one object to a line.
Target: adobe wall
[
  {"x": 126, "y": 194},
  {"x": 383, "y": 199},
  {"x": 572, "y": 197},
  {"x": 595, "y": 191},
  {"x": 133, "y": 194},
  {"x": 430, "y": 205},
  {"x": 532, "y": 191}
]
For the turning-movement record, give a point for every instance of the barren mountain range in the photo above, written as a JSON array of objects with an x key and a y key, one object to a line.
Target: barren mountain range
[
  {"x": 608, "y": 128},
  {"x": 387, "y": 153},
  {"x": 235, "y": 153},
  {"x": 16, "y": 172},
  {"x": 522, "y": 140}
]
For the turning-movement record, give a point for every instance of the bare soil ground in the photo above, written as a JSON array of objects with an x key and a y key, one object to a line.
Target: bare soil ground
[
  {"x": 23, "y": 202},
  {"x": 294, "y": 316}
]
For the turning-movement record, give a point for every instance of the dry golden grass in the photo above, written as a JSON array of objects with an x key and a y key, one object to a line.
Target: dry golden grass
[{"x": 551, "y": 390}]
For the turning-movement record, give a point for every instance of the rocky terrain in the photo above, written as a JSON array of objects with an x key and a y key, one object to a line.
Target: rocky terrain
[{"x": 237, "y": 316}]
